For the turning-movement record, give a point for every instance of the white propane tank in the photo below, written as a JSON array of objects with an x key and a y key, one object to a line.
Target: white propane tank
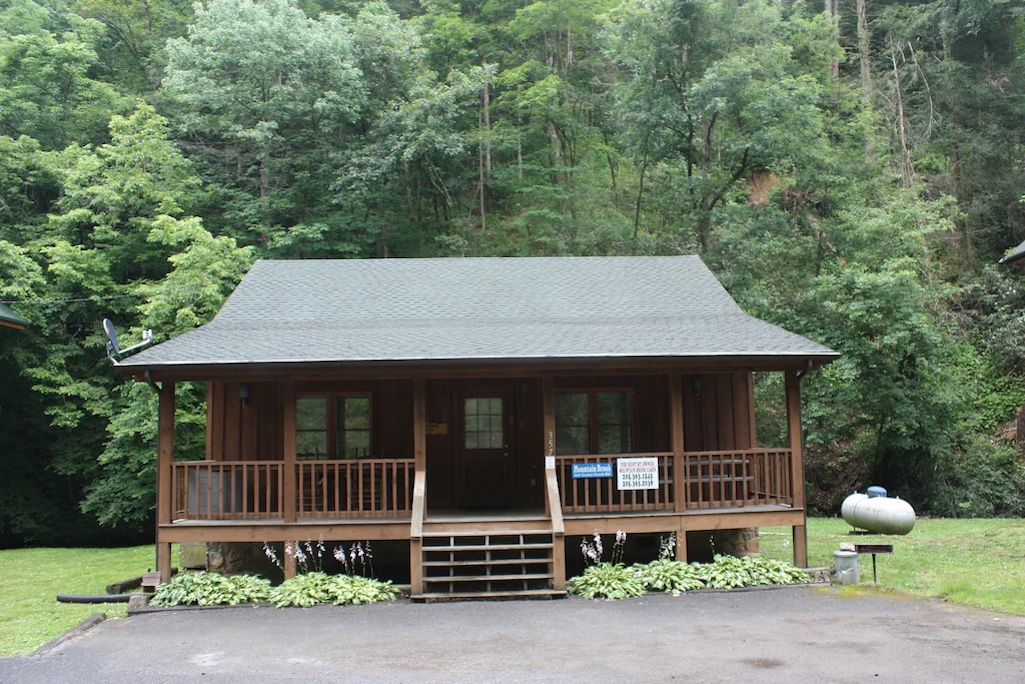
[{"x": 879, "y": 514}]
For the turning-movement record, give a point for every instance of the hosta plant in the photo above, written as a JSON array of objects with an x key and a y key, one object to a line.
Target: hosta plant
[
  {"x": 203, "y": 588},
  {"x": 670, "y": 576},
  {"x": 729, "y": 572},
  {"x": 318, "y": 587},
  {"x": 606, "y": 580}
]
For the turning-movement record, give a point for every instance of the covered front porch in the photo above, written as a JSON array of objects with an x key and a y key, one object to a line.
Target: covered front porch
[{"x": 242, "y": 493}]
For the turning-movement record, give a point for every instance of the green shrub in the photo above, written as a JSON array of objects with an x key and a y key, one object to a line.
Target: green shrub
[
  {"x": 606, "y": 580},
  {"x": 318, "y": 587},
  {"x": 670, "y": 576},
  {"x": 210, "y": 589},
  {"x": 729, "y": 572}
]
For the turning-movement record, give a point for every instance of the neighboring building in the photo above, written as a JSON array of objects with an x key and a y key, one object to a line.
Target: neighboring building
[
  {"x": 483, "y": 409},
  {"x": 9, "y": 319},
  {"x": 1016, "y": 254}
]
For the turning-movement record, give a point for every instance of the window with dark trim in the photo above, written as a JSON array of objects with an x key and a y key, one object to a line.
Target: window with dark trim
[
  {"x": 594, "y": 422},
  {"x": 332, "y": 427}
]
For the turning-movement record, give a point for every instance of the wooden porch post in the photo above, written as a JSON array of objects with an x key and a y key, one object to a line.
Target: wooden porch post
[
  {"x": 165, "y": 460},
  {"x": 679, "y": 468},
  {"x": 676, "y": 431},
  {"x": 793, "y": 388},
  {"x": 551, "y": 485},
  {"x": 416, "y": 568},
  {"x": 548, "y": 413},
  {"x": 289, "y": 503}
]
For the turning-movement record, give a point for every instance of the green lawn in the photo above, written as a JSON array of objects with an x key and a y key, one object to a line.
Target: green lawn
[
  {"x": 30, "y": 580},
  {"x": 970, "y": 562}
]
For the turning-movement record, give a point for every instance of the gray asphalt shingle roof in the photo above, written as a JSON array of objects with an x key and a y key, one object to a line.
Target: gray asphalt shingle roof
[
  {"x": 462, "y": 309},
  {"x": 1016, "y": 254},
  {"x": 9, "y": 318}
]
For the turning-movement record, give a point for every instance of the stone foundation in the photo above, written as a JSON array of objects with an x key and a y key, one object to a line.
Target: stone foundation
[{"x": 702, "y": 546}]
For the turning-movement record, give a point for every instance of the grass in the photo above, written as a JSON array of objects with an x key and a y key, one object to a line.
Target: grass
[
  {"x": 969, "y": 562},
  {"x": 30, "y": 580}
]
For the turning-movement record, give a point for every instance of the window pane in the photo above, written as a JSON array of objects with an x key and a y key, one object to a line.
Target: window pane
[
  {"x": 613, "y": 408},
  {"x": 571, "y": 408},
  {"x": 614, "y": 439},
  {"x": 311, "y": 413},
  {"x": 353, "y": 444},
  {"x": 354, "y": 413},
  {"x": 311, "y": 445},
  {"x": 615, "y": 418},
  {"x": 570, "y": 440}
]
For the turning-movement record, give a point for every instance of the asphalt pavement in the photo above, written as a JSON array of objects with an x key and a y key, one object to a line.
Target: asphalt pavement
[{"x": 790, "y": 635}]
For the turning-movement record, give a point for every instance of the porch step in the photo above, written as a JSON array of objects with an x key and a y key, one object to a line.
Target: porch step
[
  {"x": 492, "y": 561},
  {"x": 470, "y": 532},
  {"x": 491, "y": 595},
  {"x": 483, "y": 564},
  {"x": 487, "y": 547},
  {"x": 525, "y": 577}
]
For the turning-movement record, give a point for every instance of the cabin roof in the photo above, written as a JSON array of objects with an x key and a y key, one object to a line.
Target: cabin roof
[
  {"x": 476, "y": 309},
  {"x": 1016, "y": 254},
  {"x": 10, "y": 319}
]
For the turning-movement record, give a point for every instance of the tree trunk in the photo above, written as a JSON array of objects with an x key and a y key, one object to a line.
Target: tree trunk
[
  {"x": 832, "y": 8},
  {"x": 907, "y": 168}
]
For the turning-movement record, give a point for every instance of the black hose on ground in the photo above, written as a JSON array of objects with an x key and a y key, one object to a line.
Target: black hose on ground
[{"x": 93, "y": 598}]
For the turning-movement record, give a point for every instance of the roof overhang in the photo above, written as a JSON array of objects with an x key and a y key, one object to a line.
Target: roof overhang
[
  {"x": 9, "y": 319},
  {"x": 491, "y": 367}
]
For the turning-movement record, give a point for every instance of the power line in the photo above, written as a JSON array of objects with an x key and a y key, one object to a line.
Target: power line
[{"x": 64, "y": 301}]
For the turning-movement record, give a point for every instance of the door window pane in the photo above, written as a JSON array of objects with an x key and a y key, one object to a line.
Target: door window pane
[{"x": 483, "y": 423}]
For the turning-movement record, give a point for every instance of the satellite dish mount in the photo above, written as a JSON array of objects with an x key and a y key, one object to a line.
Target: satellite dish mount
[{"x": 114, "y": 351}]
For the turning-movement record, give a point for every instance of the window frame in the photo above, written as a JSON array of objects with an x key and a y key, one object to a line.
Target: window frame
[
  {"x": 593, "y": 426},
  {"x": 332, "y": 427}
]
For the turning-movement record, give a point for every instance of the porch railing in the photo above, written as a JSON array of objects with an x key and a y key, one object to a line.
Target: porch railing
[
  {"x": 601, "y": 495},
  {"x": 749, "y": 477},
  {"x": 218, "y": 490},
  {"x": 711, "y": 479},
  {"x": 254, "y": 490},
  {"x": 357, "y": 488}
]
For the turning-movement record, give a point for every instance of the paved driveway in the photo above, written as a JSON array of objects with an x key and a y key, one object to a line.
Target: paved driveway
[{"x": 784, "y": 635}]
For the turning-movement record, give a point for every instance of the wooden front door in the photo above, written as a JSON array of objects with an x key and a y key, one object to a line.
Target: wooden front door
[{"x": 485, "y": 466}]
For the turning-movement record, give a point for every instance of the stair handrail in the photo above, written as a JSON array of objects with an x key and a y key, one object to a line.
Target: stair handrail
[
  {"x": 554, "y": 501},
  {"x": 419, "y": 497}
]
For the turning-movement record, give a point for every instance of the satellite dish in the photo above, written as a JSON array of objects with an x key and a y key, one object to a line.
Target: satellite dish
[
  {"x": 112, "y": 345},
  {"x": 114, "y": 351}
]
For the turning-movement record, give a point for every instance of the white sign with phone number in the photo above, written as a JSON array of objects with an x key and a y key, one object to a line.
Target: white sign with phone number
[{"x": 637, "y": 473}]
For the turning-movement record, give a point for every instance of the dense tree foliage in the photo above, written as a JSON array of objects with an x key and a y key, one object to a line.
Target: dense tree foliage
[{"x": 851, "y": 172}]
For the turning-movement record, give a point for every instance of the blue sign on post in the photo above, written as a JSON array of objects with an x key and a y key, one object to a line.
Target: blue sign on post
[{"x": 587, "y": 471}]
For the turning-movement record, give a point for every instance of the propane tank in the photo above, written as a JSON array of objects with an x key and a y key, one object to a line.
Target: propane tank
[{"x": 879, "y": 514}]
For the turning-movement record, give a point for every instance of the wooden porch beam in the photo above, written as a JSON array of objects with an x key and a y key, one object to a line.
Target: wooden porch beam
[
  {"x": 165, "y": 460},
  {"x": 796, "y": 435}
]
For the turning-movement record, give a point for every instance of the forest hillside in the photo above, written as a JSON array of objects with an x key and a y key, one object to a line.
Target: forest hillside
[{"x": 851, "y": 171}]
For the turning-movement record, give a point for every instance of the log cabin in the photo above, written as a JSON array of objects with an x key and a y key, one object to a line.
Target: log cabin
[{"x": 484, "y": 410}]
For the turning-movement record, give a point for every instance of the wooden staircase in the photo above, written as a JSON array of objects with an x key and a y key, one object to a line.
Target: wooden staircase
[{"x": 496, "y": 560}]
